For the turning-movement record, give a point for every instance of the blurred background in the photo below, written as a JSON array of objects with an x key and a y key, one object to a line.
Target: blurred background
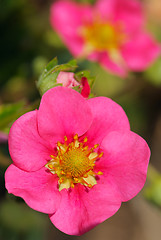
[{"x": 28, "y": 43}]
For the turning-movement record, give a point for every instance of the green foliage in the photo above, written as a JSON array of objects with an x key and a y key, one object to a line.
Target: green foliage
[
  {"x": 153, "y": 73},
  {"x": 10, "y": 112},
  {"x": 18, "y": 221},
  {"x": 86, "y": 1},
  {"x": 152, "y": 191}
]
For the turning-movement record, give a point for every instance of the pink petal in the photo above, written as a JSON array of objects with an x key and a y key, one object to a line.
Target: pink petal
[
  {"x": 67, "y": 79},
  {"x": 66, "y": 18},
  {"x": 85, "y": 87},
  {"x": 38, "y": 189},
  {"x": 27, "y": 149},
  {"x": 125, "y": 160},
  {"x": 106, "y": 8},
  {"x": 126, "y": 12},
  {"x": 81, "y": 209},
  {"x": 140, "y": 52},
  {"x": 63, "y": 112},
  {"x": 107, "y": 116},
  {"x": 119, "y": 69}
]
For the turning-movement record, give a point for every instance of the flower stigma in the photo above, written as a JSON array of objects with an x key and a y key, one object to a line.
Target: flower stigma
[{"x": 74, "y": 163}]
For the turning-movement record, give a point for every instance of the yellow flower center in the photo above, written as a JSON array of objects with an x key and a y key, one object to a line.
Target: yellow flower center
[
  {"x": 74, "y": 163},
  {"x": 102, "y": 36}
]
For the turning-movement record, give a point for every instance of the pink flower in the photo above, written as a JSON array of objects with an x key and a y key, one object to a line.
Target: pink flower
[
  {"x": 67, "y": 80},
  {"x": 111, "y": 32},
  {"x": 76, "y": 159}
]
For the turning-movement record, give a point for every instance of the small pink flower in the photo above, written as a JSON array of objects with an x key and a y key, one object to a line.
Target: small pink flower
[
  {"x": 76, "y": 159},
  {"x": 111, "y": 32},
  {"x": 67, "y": 80}
]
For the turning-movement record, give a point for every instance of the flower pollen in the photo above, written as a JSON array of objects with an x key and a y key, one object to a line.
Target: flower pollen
[{"x": 74, "y": 163}]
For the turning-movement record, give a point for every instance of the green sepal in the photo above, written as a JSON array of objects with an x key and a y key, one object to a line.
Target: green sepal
[
  {"x": 78, "y": 76},
  {"x": 48, "y": 77}
]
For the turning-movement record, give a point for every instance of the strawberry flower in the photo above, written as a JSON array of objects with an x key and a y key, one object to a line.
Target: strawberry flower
[
  {"x": 67, "y": 80},
  {"x": 76, "y": 159},
  {"x": 111, "y": 32}
]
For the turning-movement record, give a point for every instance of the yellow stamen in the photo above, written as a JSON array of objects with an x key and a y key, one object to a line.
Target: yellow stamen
[
  {"x": 68, "y": 174},
  {"x": 75, "y": 137},
  {"x": 72, "y": 185},
  {"x": 50, "y": 166},
  {"x": 74, "y": 163},
  {"x": 85, "y": 148},
  {"x": 85, "y": 175},
  {"x": 77, "y": 143},
  {"x": 93, "y": 155},
  {"x": 85, "y": 139},
  {"x": 65, "y": 138},
  {"x": 61, "y": 180},
  {"x": 76, "y": 179},
  {"x": 100, "y": 155},
  {"x": 62, "y": 148},
  {"x": 96, "y": 146}
]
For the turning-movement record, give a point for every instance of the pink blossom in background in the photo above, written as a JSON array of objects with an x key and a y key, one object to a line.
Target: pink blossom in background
[
  {"x": 76, "y": 159},
  {"x": 67, "y": 80},
  {"x": 112, "y": 32}
]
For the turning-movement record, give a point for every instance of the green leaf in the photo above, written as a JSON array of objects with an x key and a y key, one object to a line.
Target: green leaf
[{"x": 48, "y": 70}]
